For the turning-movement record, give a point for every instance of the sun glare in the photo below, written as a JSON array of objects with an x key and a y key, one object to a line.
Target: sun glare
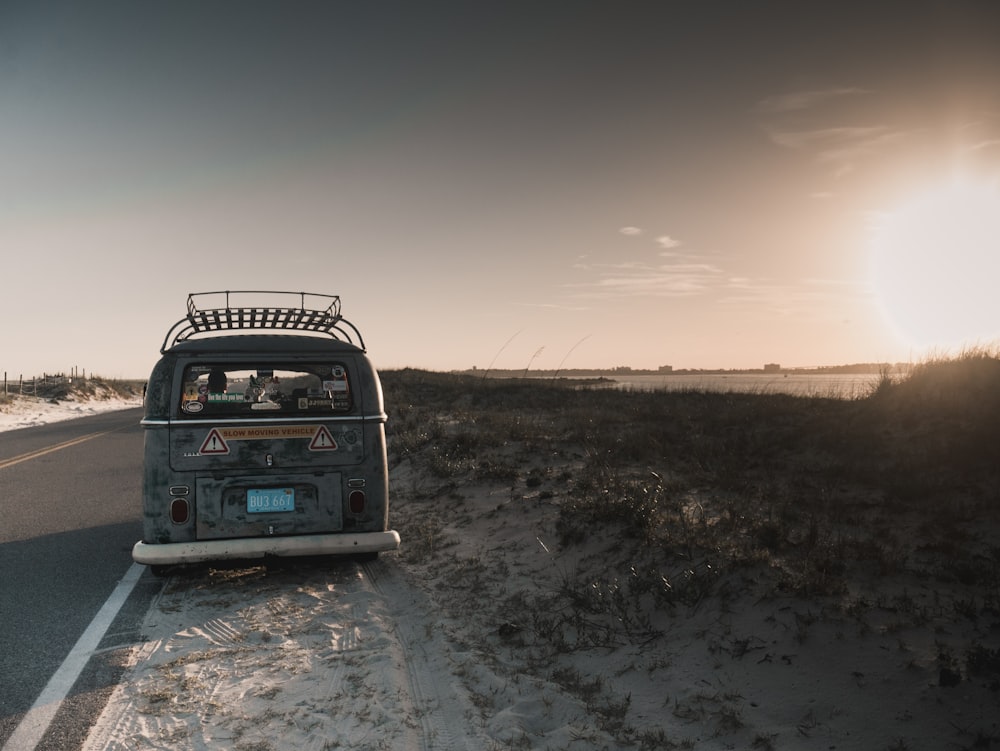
[{"x": 936, "y": 267}]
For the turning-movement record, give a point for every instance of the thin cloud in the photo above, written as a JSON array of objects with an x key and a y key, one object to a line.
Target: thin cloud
[
  {"x": 841, "y": 147},
  {"x": 666, "y": 242},
  {"x": 801, "y": 121},
  {"x": 829, "y": 139},
  {"x": 802, "y": 100},
  {"x": 683, "y": 279},
  {"x": 807, "y": 298},
  {"x": 988, "y": 144},
  {"x": 551, "y": 306},
  {"x": 690, "y": 276},
  {"x": 630, "y": 231}
]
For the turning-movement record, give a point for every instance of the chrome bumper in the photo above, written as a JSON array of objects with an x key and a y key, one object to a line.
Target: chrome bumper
[{"x": 258, "y": 547}]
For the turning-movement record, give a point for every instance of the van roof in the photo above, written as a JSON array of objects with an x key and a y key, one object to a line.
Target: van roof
[
  {"x": 215, "y": 313},
  {"x": 267, "y": 344}
]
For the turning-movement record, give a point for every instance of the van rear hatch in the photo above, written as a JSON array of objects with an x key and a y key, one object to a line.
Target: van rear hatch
[{"x": 266, "y": 445}]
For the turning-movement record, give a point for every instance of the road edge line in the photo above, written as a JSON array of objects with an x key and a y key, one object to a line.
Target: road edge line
[{"x": 36, "y": 721}]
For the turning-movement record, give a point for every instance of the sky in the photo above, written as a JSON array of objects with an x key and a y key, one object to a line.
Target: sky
[{"x": 514, "y": 185}]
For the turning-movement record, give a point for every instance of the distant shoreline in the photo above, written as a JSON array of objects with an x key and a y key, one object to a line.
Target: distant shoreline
[
  {"x": 853, "y": 369},
  {"x": 837, "y": 385}
]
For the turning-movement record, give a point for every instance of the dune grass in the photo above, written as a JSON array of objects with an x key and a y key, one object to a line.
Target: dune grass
[{"x": 823, "y": 497}]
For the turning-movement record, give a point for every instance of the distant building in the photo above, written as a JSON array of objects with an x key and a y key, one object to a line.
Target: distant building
[
  {"x": 665, "y": 369},
  {"x": 772, "y": 367}
]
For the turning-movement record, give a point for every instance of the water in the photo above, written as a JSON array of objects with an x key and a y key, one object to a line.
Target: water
[{"x": 832, "y": 386}]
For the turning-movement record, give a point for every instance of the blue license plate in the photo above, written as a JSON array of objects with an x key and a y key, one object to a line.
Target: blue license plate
[{"x": 266, "y": 500}]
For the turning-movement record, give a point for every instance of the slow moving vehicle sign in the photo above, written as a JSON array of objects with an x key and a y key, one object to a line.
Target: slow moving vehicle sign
[{"x": 218, "y": 439}]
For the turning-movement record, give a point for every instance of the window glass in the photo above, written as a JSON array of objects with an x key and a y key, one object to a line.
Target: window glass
[{"x": 265, "y": 390}]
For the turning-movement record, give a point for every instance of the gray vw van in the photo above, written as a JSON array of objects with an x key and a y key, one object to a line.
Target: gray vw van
[{"x": 264, "y": 434}]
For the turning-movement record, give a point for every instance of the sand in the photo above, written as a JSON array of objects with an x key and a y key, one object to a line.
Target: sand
[
  {"x": 471, "y": 642},
  {"x": 482, "y": 632},
  {"x": 29, "y": 411}
]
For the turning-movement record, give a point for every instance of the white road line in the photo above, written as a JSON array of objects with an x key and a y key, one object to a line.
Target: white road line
[{"x": 37, "y": 720}]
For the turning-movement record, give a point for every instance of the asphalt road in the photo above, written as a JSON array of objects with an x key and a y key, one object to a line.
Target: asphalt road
[{"x": 69, "y": 515}]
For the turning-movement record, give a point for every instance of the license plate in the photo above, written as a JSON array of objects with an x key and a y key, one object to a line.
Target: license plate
[{"x": 264, "y": 500}]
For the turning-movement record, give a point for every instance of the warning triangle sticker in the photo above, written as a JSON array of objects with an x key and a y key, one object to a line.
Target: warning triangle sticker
[
  {"x": 322, "y": 440},
  {"x": 214, "y": 443}
]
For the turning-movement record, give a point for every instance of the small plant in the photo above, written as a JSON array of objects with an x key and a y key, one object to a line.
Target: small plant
[
  {"x": 655, "y": 739},
  {"x": 982, "y": 661},
  {"x": 883, "y": 385}
]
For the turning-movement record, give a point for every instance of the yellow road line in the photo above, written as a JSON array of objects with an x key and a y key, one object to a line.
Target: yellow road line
[{"x": 49, "y": 449}]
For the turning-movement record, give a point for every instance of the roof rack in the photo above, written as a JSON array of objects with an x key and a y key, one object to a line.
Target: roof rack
[{"x": 206, "y": 315}]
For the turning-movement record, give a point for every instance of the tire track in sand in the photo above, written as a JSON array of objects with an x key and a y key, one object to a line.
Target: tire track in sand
[
  {"x": 311, "y": 656},
  {"x": 446, "y": 715}
]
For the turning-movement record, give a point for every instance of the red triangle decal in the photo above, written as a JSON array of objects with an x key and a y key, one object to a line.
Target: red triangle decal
[
  {"x": 322, "y": 440},
  {"x": 214, "y": 443}
]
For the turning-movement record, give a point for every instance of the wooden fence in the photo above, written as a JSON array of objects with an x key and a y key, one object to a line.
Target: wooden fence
[{"x": 32, "y": 385}]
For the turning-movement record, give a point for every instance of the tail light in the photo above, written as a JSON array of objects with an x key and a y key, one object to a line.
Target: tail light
[
  {"x": 356, "y": 501},
  {"x": 180, "y": 511}
]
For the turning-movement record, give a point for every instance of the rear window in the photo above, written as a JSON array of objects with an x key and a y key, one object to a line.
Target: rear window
[{"x": 261, "y": 391}]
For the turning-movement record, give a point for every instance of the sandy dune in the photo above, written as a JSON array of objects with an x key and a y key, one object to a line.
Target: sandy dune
[
  {"x": 478, "y": 635},
  {"x": 476, "y": 646},
  {"x": 27, "y": 411}
]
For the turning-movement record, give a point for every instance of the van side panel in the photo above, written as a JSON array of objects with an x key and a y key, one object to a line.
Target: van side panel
[{"x": 158, "y": 481}]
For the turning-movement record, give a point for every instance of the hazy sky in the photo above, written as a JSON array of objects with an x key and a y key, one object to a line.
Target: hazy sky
[{"x": 696, "y": 184}]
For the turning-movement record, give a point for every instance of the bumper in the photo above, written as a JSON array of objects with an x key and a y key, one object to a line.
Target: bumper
[{"x": 258, "y": 547}]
